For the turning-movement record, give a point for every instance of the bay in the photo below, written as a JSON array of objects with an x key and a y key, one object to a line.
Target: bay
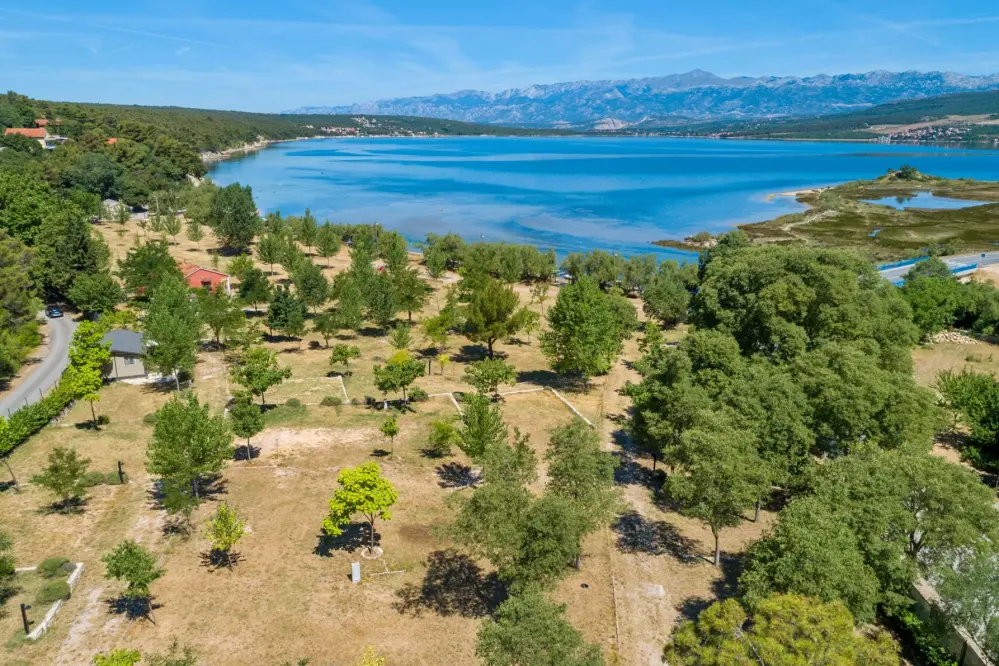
[{"x": 570, "y": 194}]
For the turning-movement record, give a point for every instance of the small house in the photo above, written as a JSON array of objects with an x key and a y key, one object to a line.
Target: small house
[
  {"x": 199, "y": 277},
  {"x": 126, "y": 354},
  {"x": 37, "y": 133}
]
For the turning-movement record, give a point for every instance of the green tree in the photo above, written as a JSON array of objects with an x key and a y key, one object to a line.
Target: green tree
[
  {"x": 224, "y": 529},
  {"x": 327, "y": 242},
  {"x": 246, "y": 419},
  {"x": 311, "y": 285},
  {"x": 401, "y": 337},
  {"x": 195, "y": 232},
  {"x": 435, "y": 262},
  {"x": 394, "y": 249},
  {"x": 552, "y": 533},
  {"x": 411, "y": 292},
  {"x": 64, "y": 476},
  {"x": 286, "y": 313},
  {"x": 254, "y": 288},
  {"x": 397, "y": 374},
  {"x": 307, "y": 229},
  {"x": 784, "y": 629},
  {"x": 131, "y": 563},
  {"x": 342, "y": 354},
  {"x": 490, "y": 523},
  {"x": 584, "y": 337},
  {"x": 259, "y": 371},
  {"x": 173, "y": 330},
  {"x": 390, "y": 428},
  {"x": 270, "y": 249},
  {"x": 529, "y": 630},
  {"x": 172, "y": 225},
  {"x": 381, "y": 300},
  {"x": 488, "y": 374},
  {"x": 350, "y": 305},
  {"x": 188, "y": 443},
  {"x": 666, "y": 298},
  {"x": 146, "y": 266},
  {"x": 97, "y": 292},
  {"x": 219, "y": 312},
  {"x": 968, "y": 592},
  {"x": 119, "y": 657},
  {"x": 492, "y": 313},
  {"x": 443, "y": 435},
  {"x": 721, "y": 475},
  {"x": 7, "y": 569},
  {"x": 935, "y": 301},
  {"x": 88, "y": 354},
  {"x": 327, "y": 326},
  {"x": 482, "y": 427},
  {"x": 233, "y": 216},
  {"x": 362, "y": 490}
]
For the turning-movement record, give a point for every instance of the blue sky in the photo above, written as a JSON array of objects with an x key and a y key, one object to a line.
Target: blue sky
[{"x": 272, "y": 56}]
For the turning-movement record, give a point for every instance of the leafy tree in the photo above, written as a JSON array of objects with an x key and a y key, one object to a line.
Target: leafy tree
[
  {"x": 254, "y": 288},
  {"x": 584, "y": 338},
  {"x": 492, "y": 313},
  {"x": 531, "y": 631},
  {"x": 64, "y": 476},
  {"x": 327, "y": 242},
  {"x": 488, "y": 374},
  {"x": 490, "y": 523},
  {"x": 350, "y": 305},
  {"x": 97, "y": 292},
  {"x": 968, "y": 592},
  {"x": 362, "y": 490},
  {"x": 66, "y": 247},
  {"x": 259, "y": 371},
  {"x": 394, "y": 249},
  {"x": 398, "y": 373},
  {"x": 172, "y": 225},
  {"x": 146, "y": 266},
  {"x": 381, "y": 300},
  {"x": 246, "y": 419},
  {"x": 270, "y": 249},
  {"x": 482, "y": 427},
  {"x": 552, "y": 533},
  {"x": 811, "y": 553},
  {"x": 326, "y": 325},
  {"x": 195, "y": 232},
  {"x": 225, "y": 529},
  {"x": 307, "y": 229},
  {"x": 188, "y": 443},
  {"x": 665, "y": 297},
  {"x": 286, "y": 313},
  {"x": 401, "y": 337},
  {"x": 88, "y": 354},
  {"x": 173, "y": 330},
  {"x": 721, "y": 474},
  {"x": 342, "y": 354},
  {"x": 136, "y": 566},
  {"x": 435, "y": 262},
  {"x": 7, "y": 570},
  {"x": 784, "y": 629},
  {"x": 390, "y": 428},
  {"x": 935, "y": 301},
  {"x": 119, "y": 657},
  {"x": 239, "y": 264},
  {"x": 219, "y": 312},
  {"x": 311, "y": 285},
  {"x": 411, "y": 292},
  {"x": 513, "y": 463},
  {"x": 443, "y": 435},
  {"x": 233, "y": 216}
]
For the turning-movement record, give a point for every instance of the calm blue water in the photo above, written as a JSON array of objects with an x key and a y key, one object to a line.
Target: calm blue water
[
  {"x": 924, "y": 200},
  {"x": 567, "y": 193}
]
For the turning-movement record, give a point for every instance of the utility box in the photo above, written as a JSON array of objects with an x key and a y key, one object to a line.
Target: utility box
[{"x": 355, "y": 572}]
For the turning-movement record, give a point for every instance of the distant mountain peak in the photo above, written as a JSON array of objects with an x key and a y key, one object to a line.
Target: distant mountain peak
[{"x": 696, "y": 95}]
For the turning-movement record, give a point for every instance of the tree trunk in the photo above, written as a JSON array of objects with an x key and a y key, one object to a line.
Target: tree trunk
[
  {"x": 756, "y": 518},
  {"x": 176, "y": 379},
  {"x": 93, "y": 413},
  {"x": 579, "y": 561},
  {"x": 12, "y": 477},
  {"x": 654, "y": 459},
  {"x": 489, "y": 344},
  {"x": 194, "y": 488},
  {"x": 410, "y": 316},
  {"x": 262, "y": 403},
  {"x": 717, "y": 548},
  {"x": 249, "y": 453},
  {"x": 372, "y": 526}
]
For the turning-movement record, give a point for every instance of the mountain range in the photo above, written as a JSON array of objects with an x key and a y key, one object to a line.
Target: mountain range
[{"x": 692, "y": 96}]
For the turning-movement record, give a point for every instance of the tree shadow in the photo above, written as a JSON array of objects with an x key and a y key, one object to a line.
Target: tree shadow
[
  {"x": 6, "y": 485},
  {"x": 133, "y": 608},
  {"x": 210, "y": 487},
  {"x": 546, "y": 378},
  {"x": 727, "y": 586},
  {"x": 241, "y": 453},
  {"x": 630, "y": 472},
  {"x": 453, "y": 585},
  {"x": 217, "y": 559},
  {"x": 354, "y": 536},
  {"x": 471, "y": 353},
  {"x": 456, "y": 475},
  {"x": 74, "y": 506},
  {"x": 691, "y": 607},
  {"x": 636, "y": 534},
  {"x": 380, "y": 453},
  {"x": 371, "y": 332}
]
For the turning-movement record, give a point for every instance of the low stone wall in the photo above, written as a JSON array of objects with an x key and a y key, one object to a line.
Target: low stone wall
[
  {"x": 46, "y": 622},
  {"x": 959, "y": 642}
]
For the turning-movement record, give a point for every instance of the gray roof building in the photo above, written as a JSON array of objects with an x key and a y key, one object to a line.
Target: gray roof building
[{"x": 124, "y": 342}]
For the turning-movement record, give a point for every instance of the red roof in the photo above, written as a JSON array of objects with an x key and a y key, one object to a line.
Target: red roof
[
  {"x": 112, "y": 141},
  {"x": 30, "y": 132},
  {"x": 41, "y": 122}
]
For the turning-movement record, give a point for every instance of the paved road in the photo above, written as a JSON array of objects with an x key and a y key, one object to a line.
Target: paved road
[
  {"x": 954, "y": 261},
  {"x": 45, "y": 374}
]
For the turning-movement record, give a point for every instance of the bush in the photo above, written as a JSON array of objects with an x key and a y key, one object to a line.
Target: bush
[
  {"x": 293, "y": 402},
  {"x": 103, "y": 419},
  {"x": 443, "y": 435},
  {"x": 331, "y": 401},
  {"x": 149, "y": 419},
  {"x": 91, "y": 479},
  {"x": 54, "y": 566},
  {"x": 416, "y": 394},
  {"x": 112, "y": 479},
  {"x": 26, "y": 421},
  {"x": 52, "y": 592}
]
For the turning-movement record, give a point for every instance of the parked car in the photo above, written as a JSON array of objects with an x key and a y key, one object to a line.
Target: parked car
[{"x": 53, "y": 311}]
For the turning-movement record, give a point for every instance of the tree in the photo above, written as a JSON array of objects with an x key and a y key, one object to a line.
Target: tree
[
  {"x": 326, "y": 326},
  {"x": 390, "y": 428},
  {"x": 219, "y": 312},
  {"x": 401, "y": 337},
  {"x": 350, "y": 305},
  {"x": 195, "y": 232},
  {"x": 327, "y": 242},
  {"x": 720, "y": 475},
  {"x": 666, "y": 297},
  {"x": 935, "y": 301},
  {"x": 342, "y": 354},
  {"x": 136, "y": 566},
  {"x": 246, "y": 419},
  {"x": 552, "y": 533},
  {"x": 488, "y": 374},
  {"x": 307, "y": 229},
  {"x": 531, "y": 631},
  {"x": 311, "y": 285},
  {"x": 119, "y": 657},
  {"x": 254, "y": 288},
  {"x": 382, "y": 303},
  {"x": 784, "y": 629},
  {"x": 397, "y": 374},
  {"x": 443, "y": 435},
  {"x": 233, "y": 216},
  {"x": 259, "y": 371},
  {"x": 173, "y": 330},
  {"x": 64, "y": 476},
  {"x": 411, "y": 292},
  {"x": 583, "y": 474},
  {"x": 270, "y": 249},
  {"x": 7, "y": 569},
  {"x": 585, "y": 338},
  {"x": 482, "y": 427},
  {"x": 97, "y": 292},
  {"x": 286, "y": 313},
  {"x": 84, "y": 382},
  {"x": 88, "y": 354},
  {"x": 968, "y": 592},
  {"x": 172, "y": 225},
  {"x": 811, "y": 553},
  {"x": 492, "y": 313},
  {"x": 490, "y": 523},
  {"x": 188, "y": 443},
  {"x": 146, "y": 266},
  {"x": 66, "y": 247},
  {"x": 362, "y": 490},
  {"x": 224, "y": 529},
  {"x": 435, "y": 262}
]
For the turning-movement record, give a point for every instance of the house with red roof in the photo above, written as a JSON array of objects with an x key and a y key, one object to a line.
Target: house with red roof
[
  {"x": 41, "y": 122},
  {"x": 199, "y": 277},
  {"x": 37, "y": 133}
]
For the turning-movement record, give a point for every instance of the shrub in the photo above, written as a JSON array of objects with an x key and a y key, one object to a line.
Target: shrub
[
  {"x": 103, "y": 419},
  {"x": 443, "y": 435},
  {"x": 331, "y": 401},
  {"x": 416, "y": 394},
  {"x": 54, "y": 566},
  {"x": 91, "y": 479},
  {"x": 52, "y": 592},
  {"x": 293, "y": 402},
  {"x": 28, "y": 420},
  {"x": 149, "y": 419},
  {"x": 112, "y": 479}
]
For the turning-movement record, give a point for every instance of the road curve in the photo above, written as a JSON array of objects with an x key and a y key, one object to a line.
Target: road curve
[{"x": 43, "y": 375}]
